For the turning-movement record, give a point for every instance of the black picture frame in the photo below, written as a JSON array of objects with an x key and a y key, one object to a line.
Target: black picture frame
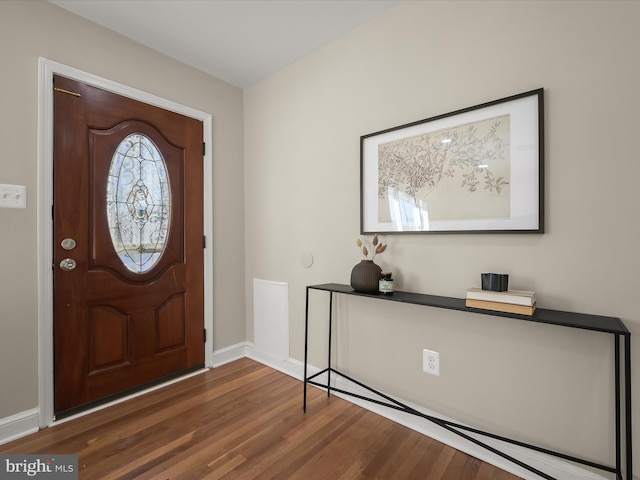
[{"x": 475, "y": 170}]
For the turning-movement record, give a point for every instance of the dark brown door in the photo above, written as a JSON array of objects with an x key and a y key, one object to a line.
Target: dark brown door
[{"x": 128, "y": 245}]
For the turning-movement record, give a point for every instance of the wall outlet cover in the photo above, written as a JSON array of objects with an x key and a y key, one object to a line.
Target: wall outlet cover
[{"x": 431, "y": 362}]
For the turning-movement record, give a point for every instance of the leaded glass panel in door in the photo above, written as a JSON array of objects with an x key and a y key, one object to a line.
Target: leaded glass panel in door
[{"x": 138, "y": 203}]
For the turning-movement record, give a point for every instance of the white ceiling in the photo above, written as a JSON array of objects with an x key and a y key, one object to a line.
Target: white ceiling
[{"x": 238, "y": 41}]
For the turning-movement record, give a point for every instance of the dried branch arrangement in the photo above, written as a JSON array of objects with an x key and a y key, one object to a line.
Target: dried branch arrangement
[{"x": 376, "y": 247}]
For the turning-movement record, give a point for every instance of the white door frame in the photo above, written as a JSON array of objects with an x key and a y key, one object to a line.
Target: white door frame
[{"x": 46, "y": 71}]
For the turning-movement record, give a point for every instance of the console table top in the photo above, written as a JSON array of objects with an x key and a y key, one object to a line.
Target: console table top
[{"x": 541, "y": 315}]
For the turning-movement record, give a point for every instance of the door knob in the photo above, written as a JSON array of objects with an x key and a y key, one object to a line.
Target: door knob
[{"x": 68, "y": 264}]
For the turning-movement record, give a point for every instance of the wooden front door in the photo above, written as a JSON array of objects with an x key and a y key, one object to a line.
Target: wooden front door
[{"x": 128, "y": 245}]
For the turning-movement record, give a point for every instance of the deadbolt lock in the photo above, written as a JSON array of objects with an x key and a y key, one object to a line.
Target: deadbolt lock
[{"x": 68, "y": 244}]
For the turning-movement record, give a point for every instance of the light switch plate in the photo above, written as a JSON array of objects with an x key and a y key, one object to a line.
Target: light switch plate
[{"x": 13, "y": 196}]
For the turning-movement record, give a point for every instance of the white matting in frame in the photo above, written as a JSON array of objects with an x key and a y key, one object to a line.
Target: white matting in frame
[{"x": 479, "y": 169}]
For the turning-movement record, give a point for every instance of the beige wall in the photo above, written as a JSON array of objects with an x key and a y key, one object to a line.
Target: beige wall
[
  {"x": 545, "y": 384},
  {"x": 28, "y": 30},
  {"x": 300, "y": 181}
]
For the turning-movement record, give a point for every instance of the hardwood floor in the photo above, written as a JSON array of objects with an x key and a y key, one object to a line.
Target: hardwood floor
[{"x": 245, "y": 421}]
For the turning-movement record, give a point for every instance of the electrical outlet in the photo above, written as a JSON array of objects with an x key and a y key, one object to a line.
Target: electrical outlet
[{"x": 431, "y": 362}]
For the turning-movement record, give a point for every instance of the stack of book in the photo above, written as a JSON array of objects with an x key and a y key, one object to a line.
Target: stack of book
[{"x": 511, "y": 301}]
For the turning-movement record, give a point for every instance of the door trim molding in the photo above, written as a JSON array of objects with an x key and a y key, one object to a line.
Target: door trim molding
[{"x": 46, "y": 70}]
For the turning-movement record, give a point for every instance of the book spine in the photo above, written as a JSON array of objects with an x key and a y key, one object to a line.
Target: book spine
[
  {"x": 501, "y": 298},
  {"x": 501, "y": 307}
]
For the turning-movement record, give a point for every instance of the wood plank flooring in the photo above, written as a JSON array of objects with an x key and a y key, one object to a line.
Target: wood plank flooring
[{"x": 243, "y": 421}]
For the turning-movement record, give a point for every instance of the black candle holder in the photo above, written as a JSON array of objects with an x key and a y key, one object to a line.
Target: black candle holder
[{"x": 496, "y": 282}]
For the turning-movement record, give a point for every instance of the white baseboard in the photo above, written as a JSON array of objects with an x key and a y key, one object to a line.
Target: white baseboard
[
  {"x": 550, "y": 465},
  {"x": 27, "y": 422},
  {"x": 290, "y": 366},
  {"x": 553, "y": 466},
  {"x": 231, "y": 353},
  {"x": 19, "y": 425}
]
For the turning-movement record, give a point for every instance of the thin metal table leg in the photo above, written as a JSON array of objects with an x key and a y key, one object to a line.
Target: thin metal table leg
[
  {"x": 627, "y": 394},
  {"x": 306, "y": 341},
  {"x": 616, "y": 344},
  {"x": 329, "y": 360}
]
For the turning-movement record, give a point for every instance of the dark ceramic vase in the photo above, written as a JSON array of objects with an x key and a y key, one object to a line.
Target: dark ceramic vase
[{"x": 365, "y": 277}]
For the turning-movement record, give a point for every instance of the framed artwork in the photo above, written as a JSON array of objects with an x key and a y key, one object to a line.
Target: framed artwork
[{"x": 475, "y": 170}]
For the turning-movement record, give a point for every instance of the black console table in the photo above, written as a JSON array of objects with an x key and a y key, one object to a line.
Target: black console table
[{"x": 610, "y": 325}]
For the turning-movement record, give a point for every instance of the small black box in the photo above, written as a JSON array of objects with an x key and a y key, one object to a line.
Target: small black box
[{"x": 496, "y": 282}]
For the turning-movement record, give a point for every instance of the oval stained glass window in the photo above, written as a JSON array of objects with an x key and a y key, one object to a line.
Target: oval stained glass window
[{"x": 138, "y": 203}]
